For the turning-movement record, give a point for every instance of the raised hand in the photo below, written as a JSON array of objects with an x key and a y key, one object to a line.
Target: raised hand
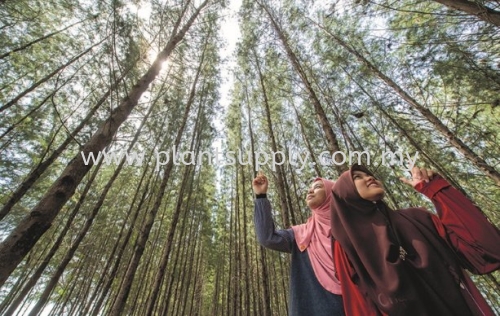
[
  {"x": 260, "y": 184},
  {"x": 418, "y": 175}
]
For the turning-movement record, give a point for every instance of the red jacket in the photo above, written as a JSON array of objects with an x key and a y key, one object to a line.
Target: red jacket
[{"x": 461, "y": 224}]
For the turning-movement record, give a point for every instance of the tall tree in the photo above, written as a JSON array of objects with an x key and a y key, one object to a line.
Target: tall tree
[{"x": 25, "y": 235}]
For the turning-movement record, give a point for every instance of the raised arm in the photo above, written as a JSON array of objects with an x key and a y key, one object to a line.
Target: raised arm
[
  {"x": 267, "y": 235},
  {"x": 465, "y": 227}
]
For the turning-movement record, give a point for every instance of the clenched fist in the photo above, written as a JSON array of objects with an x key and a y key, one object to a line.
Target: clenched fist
[{"x": 260, "y": 184}]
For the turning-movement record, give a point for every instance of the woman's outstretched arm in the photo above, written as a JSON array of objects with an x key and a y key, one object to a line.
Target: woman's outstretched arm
[
  {"x": 267, "y": 235},
  {"x": 465, "y": 227}
]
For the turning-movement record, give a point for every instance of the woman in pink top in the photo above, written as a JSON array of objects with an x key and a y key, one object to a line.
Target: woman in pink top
[{"x": 314, "y": 289}]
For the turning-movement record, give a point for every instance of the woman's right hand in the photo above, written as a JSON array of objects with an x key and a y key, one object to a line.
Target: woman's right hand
[
  {"x": 418, "y": 175},
  {"x": 260, "y": 184}
]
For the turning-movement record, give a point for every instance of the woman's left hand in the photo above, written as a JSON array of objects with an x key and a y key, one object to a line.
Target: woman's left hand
[{"x": 418, "y": 175}]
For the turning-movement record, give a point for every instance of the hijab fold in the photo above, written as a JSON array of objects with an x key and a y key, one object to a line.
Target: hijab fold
[{"x": 315, "y": 236}]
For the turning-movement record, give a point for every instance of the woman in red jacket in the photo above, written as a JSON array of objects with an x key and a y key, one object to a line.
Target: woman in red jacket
[{"x": 409, "y": 262}]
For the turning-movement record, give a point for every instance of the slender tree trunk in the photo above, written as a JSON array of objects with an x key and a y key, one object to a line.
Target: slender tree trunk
[
  {"x": 284, "y": 268},
  {"x": 265, "y": 298},
  {"x": 26, "y": 234},
  {"x": 231, "y": 275},
  {"x": 474, "y": 8},
  {"x": 236, "y": 253},
  {"x": 333, "y": 144},
  {"x": 250, "y": 131},
  {"x": 119, "y": 257},
  {"x": 40, "y": 39},
  {"x": 456, "y": 142},
  {"x": 308, "y": 143},
  {"x": 279, "y": 171},
  {"x": 255, "y": 284},
  {"x": 168, "y": 297},
  {"x": 46, "y": 78},
  {"x": 276, "y": 302},
  {"x": 215, "y": 298},
  {"x": 186, "y": 280},
  {"x": 293, "y": 221},
  {"x": 197, "y": 277},
  {"x": 145, "y": 230},
  {"x": 39, "y": 271},
  {"x": 180, "y": 278},
  {"x": 43, "y": 165},
  {"x": 296, "y": 195},
  {"x": 111, "y": 275},
  {"x": 247, "y": 264},
  {"x": 137, "y": 299},
  {"x": 172, "y": 229}
]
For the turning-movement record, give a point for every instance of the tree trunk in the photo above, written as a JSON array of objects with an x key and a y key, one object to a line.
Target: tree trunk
[
  {"x": 279, "y": 170},
  {"x": 45, "y": 262},
  {"x": 46, "y": 78},
  {"x": 40, "y": 39},
  {"x": 477, "y": 161},
  {"x": 333, "y": 144},
  {"x": 247, "y": 263},
  {"x": 175, "y": 219},
  {"x": 168, "y": 297},
  {"x": 119, "y": 257},
  {"x": 265, "y": 298},
  {"x": 186, "y": 279},
  {"x": 109, "y": 277},
  {"x": 308, "y": 143},
  {"x": 88, "y": 223},
  {"x": 197, "y": 277},
  {"x": 145, "y": 230},
  {"x": 43, "y": 165},
  {"x": 236, "y": 276},
  {"x": 474, "y": 8}
]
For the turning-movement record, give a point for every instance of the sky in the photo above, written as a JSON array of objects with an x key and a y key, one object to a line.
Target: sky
[{"x": 230, "y": 33}]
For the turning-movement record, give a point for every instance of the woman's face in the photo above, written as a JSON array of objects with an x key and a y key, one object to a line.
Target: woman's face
[
  {"x": 368, "y": 187},
  {"x": 316, "y": 194}
]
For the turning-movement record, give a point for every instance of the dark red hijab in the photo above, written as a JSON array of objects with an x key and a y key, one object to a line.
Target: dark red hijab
[{"x": 425, "y": 281}]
